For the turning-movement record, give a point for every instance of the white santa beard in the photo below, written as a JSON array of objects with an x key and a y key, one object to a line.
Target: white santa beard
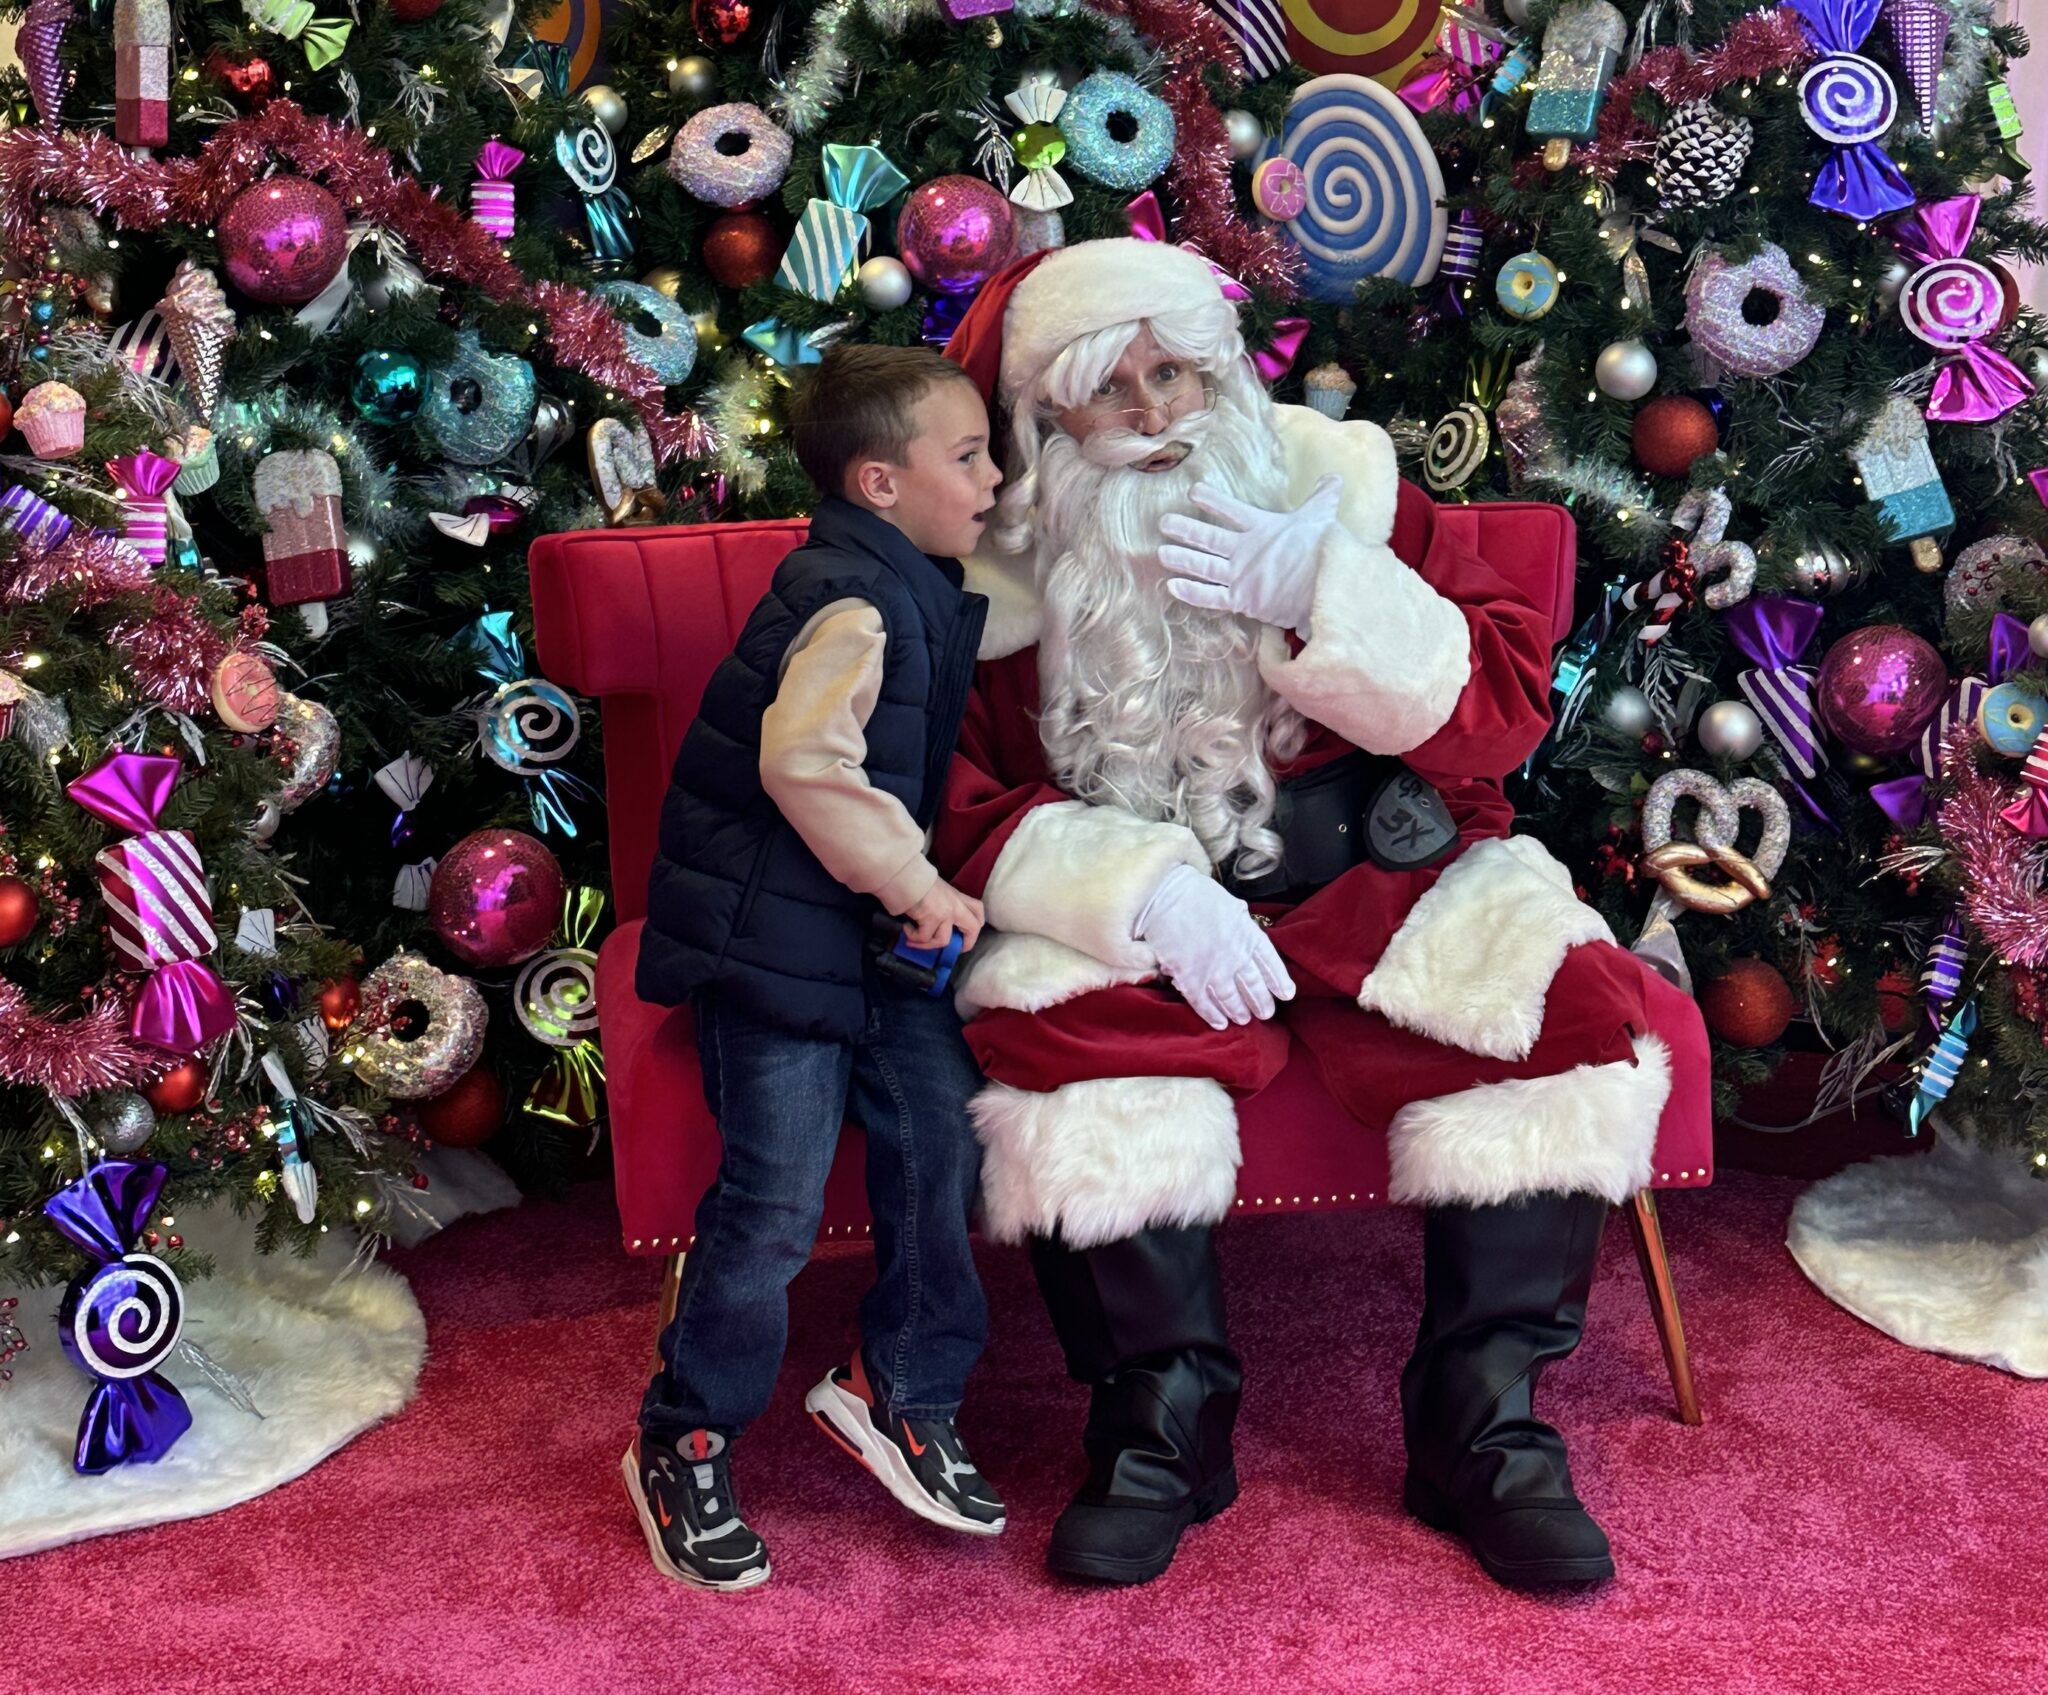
[{"x": 1147, "y": 703}]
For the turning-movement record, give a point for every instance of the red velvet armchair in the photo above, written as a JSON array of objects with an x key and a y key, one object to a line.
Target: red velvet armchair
[{"x": 637, "y": 618}]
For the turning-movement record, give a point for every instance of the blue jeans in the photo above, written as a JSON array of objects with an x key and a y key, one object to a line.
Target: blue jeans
[{"x": 779, "y": 1100}]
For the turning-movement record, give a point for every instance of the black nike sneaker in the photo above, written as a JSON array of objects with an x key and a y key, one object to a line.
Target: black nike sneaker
[
  {"x": 921, "y": 1461},
  {"x": 682, "y": 1492}
]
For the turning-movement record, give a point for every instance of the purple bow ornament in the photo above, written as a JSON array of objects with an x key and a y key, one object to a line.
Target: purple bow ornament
[
  {"x": 1904, "y": 799},
  {"x": 1955, "y": 304},
  {"x": 120, "y": 1320},
  {"x": 1773, "y": 632},
  {"x": 1147, "y": 222},
  {"x": 1850, "y": 102},
  {"x": 159, "y": 909}
]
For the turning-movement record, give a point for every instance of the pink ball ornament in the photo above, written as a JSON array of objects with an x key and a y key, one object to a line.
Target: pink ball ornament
[
  {"x": 1879, "y": 687},
  {"x": 955, "y": 233},
  {"x": 282, "y": 240},
  {"x": 496, "y": 897}
]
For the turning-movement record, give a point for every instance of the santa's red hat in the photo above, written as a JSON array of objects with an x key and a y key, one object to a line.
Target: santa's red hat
[{"x": 1029, "y": 313}]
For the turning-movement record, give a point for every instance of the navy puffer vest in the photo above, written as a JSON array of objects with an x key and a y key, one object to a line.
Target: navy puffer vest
[{"x": 737, "y": 901}]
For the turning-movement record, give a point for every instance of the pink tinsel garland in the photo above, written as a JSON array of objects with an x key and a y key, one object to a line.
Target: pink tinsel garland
[
  {"x": 1759, "y": 43},
  {"x": 172, "y": 652},
  {"x": 95, "y": 566},
  {"x": 2002, "y": 869},
  {"x": 71, "y": 1056},
  {"x": 89, "y": 168},
  {"x": 1191, "y": 37}
]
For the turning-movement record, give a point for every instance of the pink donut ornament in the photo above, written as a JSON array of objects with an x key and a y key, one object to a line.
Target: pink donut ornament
[
  {"x": 1279, "y": 189},
  {"x": 245, "y": 693}
]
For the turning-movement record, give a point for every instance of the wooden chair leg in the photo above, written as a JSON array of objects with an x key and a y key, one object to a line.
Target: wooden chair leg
[
  {"x": 1649, "y": 1234},
  {"x": 671, "y": 1291}
]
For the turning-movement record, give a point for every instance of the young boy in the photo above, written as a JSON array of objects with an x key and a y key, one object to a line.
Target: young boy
[{"x": 797, "y": 814}]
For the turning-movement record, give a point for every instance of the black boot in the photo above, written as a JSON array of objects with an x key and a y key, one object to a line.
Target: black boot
[
  {"x": 1504, "y": 1291},
  {"x": 1141, "y": 1321}
]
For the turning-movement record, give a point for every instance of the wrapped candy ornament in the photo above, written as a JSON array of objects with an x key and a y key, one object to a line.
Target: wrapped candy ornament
[
  {"x": 144, "y": 479},
  {"x": 121, "y": 1319},
  {"x": 555, "y": 998},
  {"x": 1582, "y": 44},
  {"x": 142, "y": 72},
  {"x": 158, "y": 908},
  {"x": 322, "y": 38},
  {"x": 1956, "y": 304},
  {"x": 305, "y": 550},
  {"x": 1850, "y": 101},
  {"x": 833, "y": 231},
  {"x": 529, "y": 724},
  {"x": 1900, "y": 478},
  {"x": 492, "y": 198}
]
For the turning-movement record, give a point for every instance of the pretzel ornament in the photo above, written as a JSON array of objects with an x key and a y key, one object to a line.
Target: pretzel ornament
[{"x": 1675, "y": 864}]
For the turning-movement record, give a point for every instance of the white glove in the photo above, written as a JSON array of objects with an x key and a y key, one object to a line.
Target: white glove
[
  {"x": 1263, "y": 565},
  {"x": 1212, "y": 947}
]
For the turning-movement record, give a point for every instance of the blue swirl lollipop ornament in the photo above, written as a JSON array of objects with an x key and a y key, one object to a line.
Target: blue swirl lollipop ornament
[
  {"x": 1373, "y": 204},
  {"x": 121, "y": 1319}
]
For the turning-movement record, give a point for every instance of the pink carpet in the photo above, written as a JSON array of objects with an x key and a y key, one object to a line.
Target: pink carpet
[{"x": 1854, "y": 1517}]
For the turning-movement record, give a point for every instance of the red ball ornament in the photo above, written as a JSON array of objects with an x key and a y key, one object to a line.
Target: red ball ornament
[
  {"x": 1671, "y": 432},
  {"x": 740, "y": 249},
  {"x": 414, "y": 11},
  {"x": 282, "y": 240},
  {"x": 19, "y": 911},
  {"x": 496, "y": 897},
  {"x": 1749, "y": 1004},
  {"x": 722, "y": 23},
  {"x": 6, "y": 415},
  {"x": 469, "y": 1113},
  {"x": 1824, "y": 970},
  {"x": 250, "y": 79},
  {"x": 1895, "y": 1001},
  {"x": 340, "y": 1001},
  {"x": 179, "y": 1089}
]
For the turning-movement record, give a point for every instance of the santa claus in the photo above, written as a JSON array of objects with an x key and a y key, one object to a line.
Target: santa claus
[{"x": 1232, "y": 776}]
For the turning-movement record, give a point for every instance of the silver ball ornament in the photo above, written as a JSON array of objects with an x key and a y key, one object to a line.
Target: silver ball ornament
[
  {"x": 1625, "y": 370},
  {"x": 884, "y": 282},
  {"x": 694, "y": 77},
  {"x": 123, "y": 1121},
  {"x": 1247, "y": 134},
  {"x": 2035, "y": 363},
  {"x": 1629, "y": 711},
  {"x": 1822, "y": 570},
  {"x": 1891, "y": 278},
  {"x": 607, "y": 105},
  {"x": 1517, "y": 10},
  {"x": 269, "y": 817},
  {"x": 2037, "y": 636},
  {"x": 1730, "y": 729}
]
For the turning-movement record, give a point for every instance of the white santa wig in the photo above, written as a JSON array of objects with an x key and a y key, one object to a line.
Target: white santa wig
[{"x": 1147, "y": 704}]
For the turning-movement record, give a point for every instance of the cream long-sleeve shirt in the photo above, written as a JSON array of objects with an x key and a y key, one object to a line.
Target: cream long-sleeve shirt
[{"x": 814, "y": 754}]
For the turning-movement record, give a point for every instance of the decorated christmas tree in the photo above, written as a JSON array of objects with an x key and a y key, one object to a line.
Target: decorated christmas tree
[
  {"x": 1726, "y": 280},
  {"x": 311, "y": 323}
]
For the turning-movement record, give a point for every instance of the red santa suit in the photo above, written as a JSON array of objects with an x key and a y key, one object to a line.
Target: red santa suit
[{"x": 1474, "y": 1010}]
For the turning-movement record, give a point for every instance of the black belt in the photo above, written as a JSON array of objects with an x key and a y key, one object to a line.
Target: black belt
[{"x": 1361, "y": 808}]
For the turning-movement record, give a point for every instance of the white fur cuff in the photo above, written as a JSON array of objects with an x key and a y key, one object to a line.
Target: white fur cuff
[
  {"x": 1081, "y": 874},
  {"x": 1029, "y": 974},
  {"x": 1590, "y": 1130},
  {"x": 1387, "y": 656},
  {"x": 1472, "y": 962},
  {"x": 1101, "y": 1160}
]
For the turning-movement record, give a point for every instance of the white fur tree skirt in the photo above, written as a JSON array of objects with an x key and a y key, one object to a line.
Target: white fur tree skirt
[
  {"x": 1947, "y": 1252},
  {"x": 324, "y": 1356}
]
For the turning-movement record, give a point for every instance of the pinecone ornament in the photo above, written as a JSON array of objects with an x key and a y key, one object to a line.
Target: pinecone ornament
[{"x": 1700, "y": 156}]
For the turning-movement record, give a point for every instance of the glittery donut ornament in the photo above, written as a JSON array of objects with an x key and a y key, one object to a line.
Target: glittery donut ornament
[
  {"x": 479, "y": 405},
  {"x": 670, "y": 351},
  {"x": 1752, "y": 318},
  {"x": 730, "y": 155},
  {"x": 1527, "y": 286},
  {"x": 1119, "y": 133},
  {"x": 418, "y": 1031}
]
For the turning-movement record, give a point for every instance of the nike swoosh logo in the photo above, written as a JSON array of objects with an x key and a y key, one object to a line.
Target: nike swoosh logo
[
  {"x": 661, "y": 1512},
  {"x": 916, "y": 1447}
]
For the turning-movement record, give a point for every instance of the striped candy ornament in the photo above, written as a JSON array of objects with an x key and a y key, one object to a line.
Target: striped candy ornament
[
  {"x": 1260, "y": 35},
  {"x": 143, "y": 344},
  {"x": 1943, "y": 1063},
  {"x": 492, "y": 197},
  {"x": 158, "y": 907},
  {"x": 1941, "y": 972},
  {"x": 2029, "y": 813},
  {"x": 144, "y": 479}
]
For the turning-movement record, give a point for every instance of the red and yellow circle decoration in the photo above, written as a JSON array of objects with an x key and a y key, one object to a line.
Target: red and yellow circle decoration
[{"x": 1368, "y": 38}]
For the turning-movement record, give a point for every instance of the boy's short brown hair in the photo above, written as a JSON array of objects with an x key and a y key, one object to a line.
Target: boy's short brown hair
[{"x": 857, "y": 404}]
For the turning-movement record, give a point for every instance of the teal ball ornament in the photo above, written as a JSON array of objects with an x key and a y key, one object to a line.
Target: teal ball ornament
[
  {"x": 479, "y": 405},
  {"x": 389, "y": 387}
]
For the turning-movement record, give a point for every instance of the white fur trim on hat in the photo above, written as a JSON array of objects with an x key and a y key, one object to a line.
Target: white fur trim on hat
[
  {"x": 1091, "y": 286},
  {"x": 1590, "y": 1130},
  {"x": 1103, "y": 1159}
]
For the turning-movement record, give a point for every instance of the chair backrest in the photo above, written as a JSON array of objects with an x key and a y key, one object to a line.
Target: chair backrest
[{"x": 639, "y": 618}]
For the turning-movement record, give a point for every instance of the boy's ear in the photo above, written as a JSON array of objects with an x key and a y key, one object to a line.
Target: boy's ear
[{"x": 874, "y": 482}]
